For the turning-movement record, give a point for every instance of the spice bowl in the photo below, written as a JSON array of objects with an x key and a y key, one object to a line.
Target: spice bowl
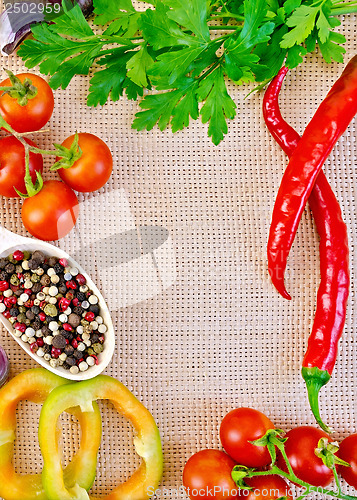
[{"x": 11, "y": 242}]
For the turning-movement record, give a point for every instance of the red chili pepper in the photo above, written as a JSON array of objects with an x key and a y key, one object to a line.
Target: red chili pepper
[
  {"x": 333, "y": 291},
  {"x": 327, "y": 125}
]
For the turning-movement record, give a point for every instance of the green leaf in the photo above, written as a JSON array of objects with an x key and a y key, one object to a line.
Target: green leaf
[
  {"x": 303, "y": 21},
  {"x": 111, "y": 81},
  {"x": 291, "y": 5},
  {"x": 192, "y": 15},
  {"x": 218, "y": 106},
  {"x": 294, "y": 56},
  {"x": 71, "y": 21},
  {"x": 174, "y": 64},
  {"x": 107, "y": 10},
  {"x": 138, "y": 66},
  {"x": 188, "y": 106},
  {"x": 331, "y": 50},
  {"x": 239, "y": 59},
  {"x": 160, "y": 31},
  {"x": 158, "y": 108}
]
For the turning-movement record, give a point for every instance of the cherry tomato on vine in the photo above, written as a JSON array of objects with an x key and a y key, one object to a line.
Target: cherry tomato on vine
[
  {"x": 266, "y": 488},
  {"x": 207, "y": 476},
  {"x": 300, "y": 450},
  {"x": 36, "y": 112},
  {"x": 12, "y": 166},
  {"x": 92, "y": 170},
  {"x": 348, "y": 452},
  {"x": 238, "y": 428},
  {"x": 52, "y": 213}
]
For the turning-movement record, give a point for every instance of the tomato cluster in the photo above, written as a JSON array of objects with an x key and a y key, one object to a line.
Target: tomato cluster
[
  {"x": 207, "y": 474},
  {"x": 52, "y": 212}
]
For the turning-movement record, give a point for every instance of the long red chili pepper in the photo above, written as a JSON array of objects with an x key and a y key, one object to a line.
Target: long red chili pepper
[
  {"x": 333, "y": 291},
  {"x": 327, "y": 125}
]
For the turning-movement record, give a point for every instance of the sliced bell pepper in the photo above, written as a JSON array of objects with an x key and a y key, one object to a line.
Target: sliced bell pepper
[
  {"x": 35, "y": 385},
  {"x": 147, "y": 442}
]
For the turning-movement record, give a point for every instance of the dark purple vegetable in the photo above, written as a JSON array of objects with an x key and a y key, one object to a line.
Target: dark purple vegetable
[
  {"x": 17, "y": 19},
  {"x": 4, "y": 367}
]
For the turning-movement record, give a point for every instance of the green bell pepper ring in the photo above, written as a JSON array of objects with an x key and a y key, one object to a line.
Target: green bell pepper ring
[
  {"x": 147, "y": 442},
  {"x": 35, "y": 385}
]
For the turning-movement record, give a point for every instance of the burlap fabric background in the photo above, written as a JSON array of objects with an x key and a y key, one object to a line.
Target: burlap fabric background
[{"x": 221, "y": 337}]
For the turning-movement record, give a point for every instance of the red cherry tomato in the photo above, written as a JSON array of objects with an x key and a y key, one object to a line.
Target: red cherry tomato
[
  {"x": 348, "y": 453},
  {"x": 238, "y": 428},
  {"x": 207, "y": 476},
  {"x": 93, "y": 168},
  {"x": 52, "y": 213},
  {"x": 266, "y": 488},
  {"x": 35, "y": 114},
  {"x": 12, "y": 166},
  {"x": 300, "y": 450}
]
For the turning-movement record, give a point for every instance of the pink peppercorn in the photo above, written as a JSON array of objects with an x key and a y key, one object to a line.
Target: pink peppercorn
[
  {"x": 63, "y": 262},
  {"x": 64, "y": 303},
  {"x": 75, "y": 302},
  {"x": 55, "y": 352},
  {"x": 18, "y": 255},
  {"x": 6, "y": 314},
  {"x": 67, "y": 327},
  {"x": 71, "y": 284},
  {"x": 74, "y": 343},
  {"x": 40, "y": 342},
  {"x": 42, "y": 316},
  {"x": 9, "y": 301},
  {"x": 89, "y": 316},
  {"x": 20, "y": 326},
  {"x": 4, "y": 285},
  {"x": 34, "y": 347},
  {"x": 81, "y": 279}
]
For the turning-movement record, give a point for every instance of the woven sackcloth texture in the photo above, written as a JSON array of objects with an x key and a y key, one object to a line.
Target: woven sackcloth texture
[{"x": 220, "y": 337}]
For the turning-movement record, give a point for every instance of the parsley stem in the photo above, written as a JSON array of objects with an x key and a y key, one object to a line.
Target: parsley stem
[
  {"x": 336, "y": 11},
  {"x": 227, "y": 14},
  {"x": 224, "y": 28}
]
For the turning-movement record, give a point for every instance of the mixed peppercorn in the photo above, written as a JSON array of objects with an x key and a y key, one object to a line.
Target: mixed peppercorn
[{"x": 51, "y": 307}]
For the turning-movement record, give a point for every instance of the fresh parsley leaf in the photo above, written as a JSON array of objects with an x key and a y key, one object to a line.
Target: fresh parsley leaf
[
  {"x": 72, "y": 22},
  {"x": 138, "y": 66},
  {"x": 174, "y": 64},
  {"x": 107, "y": 10},
  {"x": 158, "y": 108},
  {"x": 160, "y": 31},
  {"x": 192, "y": 15},
  {"x": 112, "y": 81},
  {"x": 218, "y": 104},
  {"x": 331, "y": 50}
]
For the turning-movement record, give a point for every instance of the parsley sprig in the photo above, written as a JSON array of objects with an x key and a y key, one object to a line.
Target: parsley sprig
[{"x": 183, "y": 51}]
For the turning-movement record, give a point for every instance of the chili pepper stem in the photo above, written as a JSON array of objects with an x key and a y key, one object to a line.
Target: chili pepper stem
[{"x": 315, "y": 379}]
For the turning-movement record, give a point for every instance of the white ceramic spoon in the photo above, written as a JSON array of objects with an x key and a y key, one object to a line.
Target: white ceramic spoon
[{"x": 9, "y": 242}]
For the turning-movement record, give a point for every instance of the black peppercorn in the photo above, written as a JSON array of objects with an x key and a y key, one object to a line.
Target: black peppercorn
[
  {"x": 10, "y": 268},
  {"x": 81, "y": 296},
  {"x": 94, "y": 308},
  {"x": 69, "y": 350},
  {"x": 66, "y": 366},
  {"x": 47, "y": 348},
  {"x": 78, "y": 354},
  {"x": 3, "y": 263},
  {"x": 35, "y": 309},
  {"x": 14, "y": 312},
  {"x": 58, "y": 268},
  {"x": 78, "y": 310},
  {"x": 34, "y": 264},
  {"x": 59, "y": 342},
  {"x": 37, "y": 287},
  {"x": 46, "y": 331},
  {"x": 52, "y": 261},
  {"x": 71, "y": 361},
  {"x": 38, "y": 255},
  {"x": 30, "y": 315}
]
